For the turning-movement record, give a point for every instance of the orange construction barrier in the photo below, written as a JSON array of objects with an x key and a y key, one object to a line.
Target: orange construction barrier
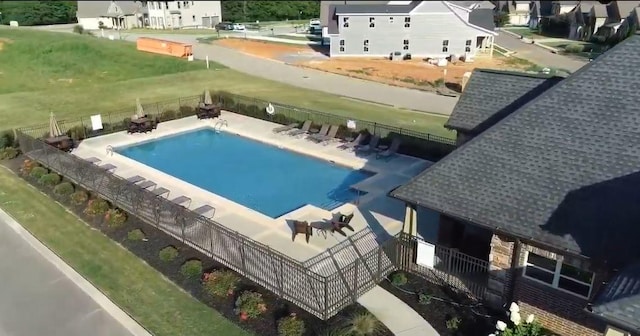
[{"x": 164, "y": 47}]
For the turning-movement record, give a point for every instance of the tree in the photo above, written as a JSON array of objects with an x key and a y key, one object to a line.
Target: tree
[
  {"x": 33, "y": 13},
  {"x": 249, "y": 11},
  {"x": 501, "y": 19}
]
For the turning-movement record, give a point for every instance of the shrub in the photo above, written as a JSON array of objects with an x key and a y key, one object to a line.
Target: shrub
[
  {"x": 168, "y": 254},
  {"x": 49, "y": 180},
  {"x": 27, "y": 166},
  {"x": 135, "y": 235},
  {"x": 78, "y": 132},
  {"x": 399, "y": 279},
  {"x": 63, "y": 189},
  {"x": 220, "y": 283},
  {"x": 79, "y": 197},
  {"x": 7, "y": 139},
  {"x": 167, "y": 115},
  {"x": 574, "y": 48},
  {"x": 115, "y": 218},
  {"x": 78, "y": 29},
  {"x": 250, "y": 305},
  {"x": 453, "y": 323},
  {"x": 38, "y": 172},
  {"x": 291, "y": 326},
  {"x": 96, "y": 207},
  {"x": 191, "y": 269},
  {"x": 9, "y": 153},
  {"x": 424, "y": 299},
  {"x": 363, "y": 324},
  {"x": 438, "y": 82}
]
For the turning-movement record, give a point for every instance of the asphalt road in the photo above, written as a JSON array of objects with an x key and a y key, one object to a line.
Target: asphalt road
[
  {"x": 537, "y": 54},
  {"x": 36, "y": 298}
]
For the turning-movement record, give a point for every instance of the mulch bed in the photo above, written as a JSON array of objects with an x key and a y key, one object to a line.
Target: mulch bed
[
  {"x": 156, "y": 240},
  {"x": 442, "y": 307}
]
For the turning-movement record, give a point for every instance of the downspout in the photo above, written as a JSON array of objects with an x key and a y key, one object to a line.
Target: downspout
[{"x": 515, "y": 258}]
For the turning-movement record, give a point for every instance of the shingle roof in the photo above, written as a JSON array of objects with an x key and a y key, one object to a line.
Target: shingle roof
[
  {"x": 619, "y": 302},
  {"x": 562, "y": 171},
  {"x": 378, "y": 8},
  {"x": 94, "y": 9},
  {"x": 492, "y": 95},
  {"x": 482, "y": 17}
]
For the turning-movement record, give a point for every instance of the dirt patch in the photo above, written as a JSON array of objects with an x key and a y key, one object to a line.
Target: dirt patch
[
  {"x": 4, "y": 41},
  {"x": 417, "y": 74},
  {"x": 262, "y": 48}
]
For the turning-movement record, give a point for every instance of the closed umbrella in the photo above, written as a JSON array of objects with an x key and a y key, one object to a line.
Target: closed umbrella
[
  {"x": 54, "y": 128},
  {"x": 139, "y": 109},
  {"x": 207, "y": 98}
]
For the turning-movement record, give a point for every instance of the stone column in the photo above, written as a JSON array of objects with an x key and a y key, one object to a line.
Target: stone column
[{"x": 500, "y": 272}]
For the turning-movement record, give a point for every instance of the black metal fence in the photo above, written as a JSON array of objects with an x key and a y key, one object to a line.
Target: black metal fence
[{"x": 418, "y": 144}]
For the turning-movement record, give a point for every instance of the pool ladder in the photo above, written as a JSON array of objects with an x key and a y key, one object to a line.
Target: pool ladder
[{"x": 218, "y": 126}]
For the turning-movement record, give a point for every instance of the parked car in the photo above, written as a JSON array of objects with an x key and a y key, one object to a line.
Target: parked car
[
  {"x": 224, "y": 26},
  {"x": 238, "y": 26}
]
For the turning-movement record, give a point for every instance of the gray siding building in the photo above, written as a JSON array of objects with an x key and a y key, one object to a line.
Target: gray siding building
[{"x": 434, "y": 29}]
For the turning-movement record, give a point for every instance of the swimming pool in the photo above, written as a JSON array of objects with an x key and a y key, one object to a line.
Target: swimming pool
[{"x": 262, "y": 177}]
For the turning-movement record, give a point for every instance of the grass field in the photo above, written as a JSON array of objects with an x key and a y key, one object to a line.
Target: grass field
[
  {"x": 137, "y": 288},
  {"x": 74, "y": 75}
]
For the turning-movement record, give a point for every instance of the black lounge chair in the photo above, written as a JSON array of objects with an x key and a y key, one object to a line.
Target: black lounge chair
[
  {"x": 302, "y": 130},
  {"x": 387, "y": 153},
  {"x": 146, "y": 184},
  {"x": 180, "y": 200},
  {"x": 107, "y": 167},
  {"x": 160, "y": 191},
  {"x": 373, "y": 144},
  {"x": 202, "y": 210},
  {"x": 135, "y": 179},
  {"x": 285, "y": 128},
  {"x": 354, "y": 143}
]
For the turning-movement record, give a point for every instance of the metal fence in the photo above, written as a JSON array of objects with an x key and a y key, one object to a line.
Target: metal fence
[{"x": 414, "y": 143}]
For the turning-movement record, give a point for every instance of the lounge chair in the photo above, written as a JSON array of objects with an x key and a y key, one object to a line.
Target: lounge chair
[
  {"x": 373, "y": 143},
  {"x": 180, "y": 200},
  {"x": 146, "y": 184},
  {"x": 93, "y": 160},
  {"x": 395, "y": 145},
  {"x": 342, "y": 222},
  {"x": 354, "y": 143},
  {"x": 135, "y": 179},
  {"x": 108, "y": 167},
  {"x": 202, "y": 210},
  {"x": 331, "y": 135},
  {"x": 160, "y": 191},
  {"x": 321, "y": 132},
  {"x": 301, "y": 227},
  {"x": 302, "y": 130},
  {"x": 285, "y": 128}
]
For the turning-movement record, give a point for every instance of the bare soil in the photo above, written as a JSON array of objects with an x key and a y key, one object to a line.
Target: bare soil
[{"x": 417, "y": 74}]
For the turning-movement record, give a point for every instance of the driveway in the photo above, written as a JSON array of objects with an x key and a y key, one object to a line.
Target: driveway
[
  {"x": 537, "y": 54},
  {"x": 37, "y": 298},
  {"x": 313, "y": 79}
]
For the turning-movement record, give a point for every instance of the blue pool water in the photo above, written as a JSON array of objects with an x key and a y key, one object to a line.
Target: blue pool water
[{"x": 265, "y": 178}]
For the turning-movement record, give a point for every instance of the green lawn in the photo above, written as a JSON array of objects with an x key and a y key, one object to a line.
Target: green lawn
[
  {"x": 83, "y": 75},
  {"x": 524, "y": 31},
  {"x": 137, "y": 288}
]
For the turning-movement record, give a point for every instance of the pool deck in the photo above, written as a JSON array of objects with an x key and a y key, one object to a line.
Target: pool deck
[{"x": 376, "y": 213}]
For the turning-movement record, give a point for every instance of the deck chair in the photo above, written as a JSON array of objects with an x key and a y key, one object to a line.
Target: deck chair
[
  {"x": 202, "y": 210},
  {"x": 395, "y": 145},
  {"x": 354, "y": 143},
  {"x": 373, "y": 143},
  {"x": 285, "y": 128},
  {"x": 180, "y": 200},
  {"x": 93, "y": 160},
  {"x": 135, "y": 179},
  {"x": 146, "y": 184},
  {"x": 301, "y": 227},
  {"x": 322, "y": 132},
  {"x": 342, "y": 222},
  {"x": 331, "y": 135},
  {"x": 160, "y": 191},
  {"x": 302, "y": 130},
  {"x": 107, "y": 167}
]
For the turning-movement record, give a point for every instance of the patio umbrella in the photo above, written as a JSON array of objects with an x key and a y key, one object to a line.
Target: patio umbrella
[
  {"x": 139, "y": 109},
  {"x": 207, "y": 98},
  {"x": 54, "y": 128}
]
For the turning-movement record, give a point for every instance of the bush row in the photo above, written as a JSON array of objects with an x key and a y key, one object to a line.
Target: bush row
[
  {"x": 248, "y": 302},
  {"x": 8, "y": 146}
]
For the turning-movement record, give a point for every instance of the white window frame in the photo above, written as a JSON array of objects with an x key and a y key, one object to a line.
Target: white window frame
[
  {"x": 391, "y": 20},
  {"x": 365, "y": 46},
  {"x": 405, "y": 46},
  {"x": 372, "y": 22},
  {"x": 467, "y": 45},
  {"x": 407, "y": 22},
  {"x": 556, "y": 276},
  {"x": 445, "y": 45},
  {"x": 341, "y": 44},
  {"x": 345, "y": 22}
]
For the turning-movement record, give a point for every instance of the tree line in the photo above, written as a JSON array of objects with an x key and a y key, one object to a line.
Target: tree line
[
  {"x": 34, "y": 13},
  {"x": 251, "y": 11}
]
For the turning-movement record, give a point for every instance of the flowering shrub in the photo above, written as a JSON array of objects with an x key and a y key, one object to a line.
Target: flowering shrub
[
  {"x": 27, "y": 166},
  {"x": 96, "y": 207},
  {"x": 291, "y": 326},
  {"x": 220, "y": 283},
  {"x": 115, "y": 218},
  {"x": 79, "y": 197},
  {"x": 517, "y": 327},
  {"x": 250, "y": 305}
]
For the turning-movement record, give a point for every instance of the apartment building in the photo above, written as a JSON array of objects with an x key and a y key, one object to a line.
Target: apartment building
[{"x": 180, "y": 14}]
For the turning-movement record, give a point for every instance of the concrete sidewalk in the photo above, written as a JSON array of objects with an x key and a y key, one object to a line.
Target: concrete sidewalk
[
  {"x": 41, "y": 295},
  {"x": 396, "y": 315}
]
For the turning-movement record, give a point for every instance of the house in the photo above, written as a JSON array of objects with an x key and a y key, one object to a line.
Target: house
[
  {"x": 517, "y": 11},
  {"x": 180, "y": 14},
  {"x": 490, "y": 96},
  {"x": 551, "y": 192},
  {"x": 93, "y": 15},
  {"x": 620, "y": 19},
  {"x": 584, "y": 17},
  {"x": 420, "y": 28}
]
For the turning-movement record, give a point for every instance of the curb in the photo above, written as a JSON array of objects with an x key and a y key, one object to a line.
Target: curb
[{"x": 94, "y": 293}]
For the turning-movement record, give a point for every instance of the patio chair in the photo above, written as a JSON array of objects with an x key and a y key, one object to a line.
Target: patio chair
[
  {"x": 202, "y": 210},
  {"x": 108, "y": 167},
  {"x": 389, "y": 152},
  {"x": 135, "y": 179},
  {"x": 302, "y": 130},
  {"x": 342, "y": 222},
  {"x": 93, "y": 160},
  {"x": 317, "y": 133},
  {"x": 353, "y": 143},
  {"x": 301, "y": 227},
  {"x": 160, "y": 191},
  {"x": 373, "y": 143},
  {"x": 285, "y": 128},
  {"x": 331, "y": 135},
  {"x": 180, "y": 200},
  {"x": 146, "y": 184}
]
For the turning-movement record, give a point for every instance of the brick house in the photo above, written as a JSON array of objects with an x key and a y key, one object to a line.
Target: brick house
[{"x": 546, "y": 188}]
